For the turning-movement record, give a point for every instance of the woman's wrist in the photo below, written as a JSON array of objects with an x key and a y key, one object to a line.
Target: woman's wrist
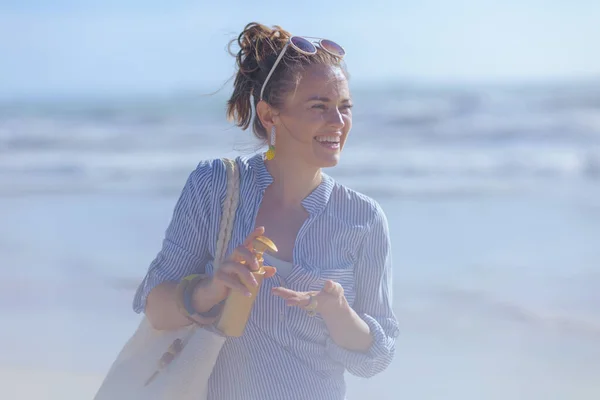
[
  {"x": 346, "y": 328},
  {"x": 206, "y": 296},
  {"x": 333, "y": 309}
]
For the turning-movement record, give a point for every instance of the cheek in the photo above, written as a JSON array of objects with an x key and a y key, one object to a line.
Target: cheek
[
  {"x": 304, "y": 129},
  {"x": 314, "y": 122}
]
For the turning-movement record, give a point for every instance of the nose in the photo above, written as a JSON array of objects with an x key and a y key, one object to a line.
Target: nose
[{"x": 336, "y": 119}]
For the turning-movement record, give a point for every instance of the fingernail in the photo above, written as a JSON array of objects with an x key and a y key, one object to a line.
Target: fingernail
[{"x": 248, "y": 294}]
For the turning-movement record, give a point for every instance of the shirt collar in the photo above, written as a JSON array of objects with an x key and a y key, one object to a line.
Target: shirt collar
[{"x": 314, "y": 203}]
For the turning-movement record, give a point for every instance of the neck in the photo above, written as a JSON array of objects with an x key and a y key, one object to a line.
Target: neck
[{"x": 293, "y": 181}]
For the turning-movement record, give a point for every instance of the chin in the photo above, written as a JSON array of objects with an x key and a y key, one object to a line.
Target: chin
[
  {"x": 325, "y": 158},
  {"x": 328, "y": 162}
]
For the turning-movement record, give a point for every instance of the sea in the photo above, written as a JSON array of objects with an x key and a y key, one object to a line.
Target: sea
[{"x": 492, "y": 193}]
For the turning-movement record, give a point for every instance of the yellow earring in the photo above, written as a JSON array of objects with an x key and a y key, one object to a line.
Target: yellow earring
[{"x": 270, "y": 154}]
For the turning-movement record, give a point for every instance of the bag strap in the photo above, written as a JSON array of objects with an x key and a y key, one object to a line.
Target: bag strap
[
  {"x": 232, "y": 197},
  {"x": 230, "y": 205}
]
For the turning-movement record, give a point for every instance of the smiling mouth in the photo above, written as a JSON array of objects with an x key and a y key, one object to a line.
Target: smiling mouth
[{"x": 329, "y": 142}]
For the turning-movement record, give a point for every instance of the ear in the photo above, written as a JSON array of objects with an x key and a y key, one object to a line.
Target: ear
[{"x": 267, "y": 114}]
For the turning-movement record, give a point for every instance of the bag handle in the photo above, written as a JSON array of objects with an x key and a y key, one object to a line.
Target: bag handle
[{"x": 232, "y": 197}]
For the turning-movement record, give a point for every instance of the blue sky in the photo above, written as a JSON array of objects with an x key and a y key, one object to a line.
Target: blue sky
[{"x": 93, "y": 46}]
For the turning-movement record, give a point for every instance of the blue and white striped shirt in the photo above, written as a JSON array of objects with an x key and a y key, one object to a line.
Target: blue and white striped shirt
[{"x": 284, "y": 353}]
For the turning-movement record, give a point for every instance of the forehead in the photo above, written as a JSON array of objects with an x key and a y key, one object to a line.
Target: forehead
[{"x": 320, "y": 80}]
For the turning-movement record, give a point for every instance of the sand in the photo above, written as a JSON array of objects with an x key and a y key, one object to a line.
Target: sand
[{"x": 495, "y": 314}]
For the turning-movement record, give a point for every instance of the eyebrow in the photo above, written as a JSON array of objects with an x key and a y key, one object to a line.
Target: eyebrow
[{"x": 326, "y": 99}]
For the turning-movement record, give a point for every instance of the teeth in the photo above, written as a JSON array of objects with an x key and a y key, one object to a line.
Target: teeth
[{"x": 335, "y": 139}]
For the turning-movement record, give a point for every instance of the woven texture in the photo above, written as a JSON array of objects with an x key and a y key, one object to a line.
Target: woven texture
[{"x": 186, "y": 377}]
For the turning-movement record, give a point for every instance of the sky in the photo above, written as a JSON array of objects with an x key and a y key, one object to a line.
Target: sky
[{"x": 92, "y": 46}]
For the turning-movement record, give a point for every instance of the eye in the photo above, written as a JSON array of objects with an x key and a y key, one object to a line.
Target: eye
[
  {"x": 347, "y": 106},
  {"x": 319, "y": 106}
]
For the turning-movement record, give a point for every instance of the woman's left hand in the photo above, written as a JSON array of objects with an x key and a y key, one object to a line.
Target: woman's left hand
[{"x": 330, "y": 299}]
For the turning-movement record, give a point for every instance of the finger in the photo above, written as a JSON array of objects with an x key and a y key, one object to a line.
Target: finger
[
  {"x": 302, "y": 300},
  {"x": 234, "y": 284},
  {"x": 298, "y": 302},
  {"x": 241, "y": 271},
  {"x": 332, "y": 287},
  {"x": 292, "y": 298},
  {"x": 284, "y": 292},
  {"x": 258, "y": 231},
  {"x": 243, "y": 255},
  {"x": 270, "y": 271}
]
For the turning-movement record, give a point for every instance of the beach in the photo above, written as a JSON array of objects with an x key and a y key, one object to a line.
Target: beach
[
  {"x": 481, "y": 317},
  {"x": 495, "y": 237}
]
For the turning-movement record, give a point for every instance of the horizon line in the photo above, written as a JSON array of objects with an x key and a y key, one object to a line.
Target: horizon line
[{"x": 203, "y": 89}]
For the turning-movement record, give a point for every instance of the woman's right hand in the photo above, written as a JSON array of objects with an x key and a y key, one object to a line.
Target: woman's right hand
[{"x": 235, "y": 272}]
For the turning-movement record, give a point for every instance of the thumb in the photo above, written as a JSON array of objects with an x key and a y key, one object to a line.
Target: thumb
[
  {"x": 329, "y": 286},
  {"x": 258, "y": 231},
  {"x": 333, "y": 288},
  {"x": 269, "y": 271}
]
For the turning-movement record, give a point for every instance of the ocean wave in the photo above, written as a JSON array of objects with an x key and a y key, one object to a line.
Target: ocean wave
[
  {"x": 464, "y": 116},
  {"x": 577, "y": 128},
  {"x": 448, "y": 142},
  {"x": 419, "y": 170}
]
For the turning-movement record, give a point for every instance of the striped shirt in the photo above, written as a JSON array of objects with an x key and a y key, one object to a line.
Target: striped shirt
[{"x": 284, "y": 353}]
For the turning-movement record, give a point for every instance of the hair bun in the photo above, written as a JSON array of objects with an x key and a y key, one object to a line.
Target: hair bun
[{"x": 258, "y": 44}]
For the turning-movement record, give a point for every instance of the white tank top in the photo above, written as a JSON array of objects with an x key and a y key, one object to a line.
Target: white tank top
[{"x": 283, "y": 267}]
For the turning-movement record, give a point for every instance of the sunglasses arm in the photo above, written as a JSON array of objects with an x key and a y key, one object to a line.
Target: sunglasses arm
[{"x": 279, "y": 57}]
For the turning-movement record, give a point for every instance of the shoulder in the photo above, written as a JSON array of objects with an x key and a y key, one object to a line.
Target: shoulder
[
  {"x": 209, "y": 179},
  {"x": 356, "y": 207},
  {"x": 204, "y": 171},
  {"x": 214, "y": 171}
]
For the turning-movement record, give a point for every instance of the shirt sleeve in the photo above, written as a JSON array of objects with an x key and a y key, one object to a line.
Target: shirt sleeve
[
  {"x": 373, "y": 303},
  {"x": 185, "y": 246}
]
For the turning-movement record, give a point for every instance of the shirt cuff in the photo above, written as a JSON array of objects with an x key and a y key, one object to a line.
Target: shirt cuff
[
  {"x": 150, "y": 281},
  {"x": 377, "y": 357}
]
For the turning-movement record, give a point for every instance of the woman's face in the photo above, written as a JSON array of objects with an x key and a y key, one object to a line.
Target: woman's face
[{"x": 314, "y": 122}]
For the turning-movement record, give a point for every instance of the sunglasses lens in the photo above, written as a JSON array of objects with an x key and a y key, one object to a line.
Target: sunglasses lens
[
  {"x": 332, "y": 47},
  {"x": 303, "y": 45}
]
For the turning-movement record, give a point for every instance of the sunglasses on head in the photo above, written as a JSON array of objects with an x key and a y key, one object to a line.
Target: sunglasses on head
[{"x": 305, "y": 45}]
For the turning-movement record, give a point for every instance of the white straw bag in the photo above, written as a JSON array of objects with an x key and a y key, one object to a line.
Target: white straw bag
[{"x": 186, "y": 377}]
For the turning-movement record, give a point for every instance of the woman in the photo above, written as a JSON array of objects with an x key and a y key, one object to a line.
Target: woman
[{"x": 326, "y": 306}]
